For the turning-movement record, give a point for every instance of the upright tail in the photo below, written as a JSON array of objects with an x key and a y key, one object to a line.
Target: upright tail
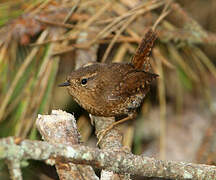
[{"x": 141, "y": 58}]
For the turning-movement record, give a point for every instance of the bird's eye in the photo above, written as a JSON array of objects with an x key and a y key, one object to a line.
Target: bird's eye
[{"x": 84, "y": 81}]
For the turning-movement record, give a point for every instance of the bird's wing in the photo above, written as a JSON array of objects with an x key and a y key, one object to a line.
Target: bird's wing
[{"x": 135, "y": 82}]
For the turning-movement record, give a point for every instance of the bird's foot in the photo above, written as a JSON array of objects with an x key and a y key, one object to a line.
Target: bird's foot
[{"x": 103, "y": 132}]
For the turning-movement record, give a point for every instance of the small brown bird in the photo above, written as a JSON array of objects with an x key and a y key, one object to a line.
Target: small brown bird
[{"x": 115, "y": 89}]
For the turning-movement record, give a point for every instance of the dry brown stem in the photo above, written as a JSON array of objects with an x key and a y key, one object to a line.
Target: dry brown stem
[{"x": 207, "y": 150}]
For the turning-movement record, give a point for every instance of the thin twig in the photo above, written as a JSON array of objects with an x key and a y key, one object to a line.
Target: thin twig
[
  {"x": 19, "y": 74},
  {"x": 102, "y": 33},
  {"x": 162, "y": 100},
  {"x": 113, "y": 41},
  {"x": 55, "y": 23},
  {"x": 71, "y": 11}
]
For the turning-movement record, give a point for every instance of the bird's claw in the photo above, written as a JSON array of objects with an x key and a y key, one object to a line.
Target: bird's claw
[{"x": 101, "y": 135}]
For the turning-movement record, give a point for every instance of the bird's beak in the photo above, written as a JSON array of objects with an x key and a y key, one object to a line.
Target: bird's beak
[{"x": 64, "y": 84}]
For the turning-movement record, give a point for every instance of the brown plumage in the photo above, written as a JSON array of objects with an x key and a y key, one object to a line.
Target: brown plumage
[
  {"x": 141, "y": 58},
  {"x": 114, "y": 89},
  {"x": 109, "y": 89}
]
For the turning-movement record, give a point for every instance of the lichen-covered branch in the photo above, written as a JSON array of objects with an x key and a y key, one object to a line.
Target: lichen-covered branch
[
  {"x": 117, "y": 161},
  {"x": 112, "y": 140},
  {"x": 14, "y": 169},
  {"x": 60, "y": 127}
]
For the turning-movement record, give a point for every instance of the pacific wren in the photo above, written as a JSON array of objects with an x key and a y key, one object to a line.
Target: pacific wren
[{"x": 115, "y": 89}]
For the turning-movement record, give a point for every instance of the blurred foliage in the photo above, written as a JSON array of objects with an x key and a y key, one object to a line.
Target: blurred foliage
[{"x": 38, "y": 34}]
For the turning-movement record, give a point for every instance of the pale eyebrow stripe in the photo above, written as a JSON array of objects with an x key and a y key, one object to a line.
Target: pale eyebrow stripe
[
  {"x": 88, "y": 64},
  {"x": 91, "y": 76}
]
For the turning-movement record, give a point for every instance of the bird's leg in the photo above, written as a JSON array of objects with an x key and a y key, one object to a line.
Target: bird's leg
[{"x": 103, "y": 132}]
